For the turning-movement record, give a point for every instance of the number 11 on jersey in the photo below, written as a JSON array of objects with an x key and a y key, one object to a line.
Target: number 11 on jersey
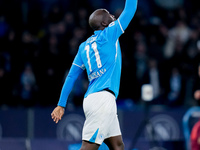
[{"x": 96, "y": 53}]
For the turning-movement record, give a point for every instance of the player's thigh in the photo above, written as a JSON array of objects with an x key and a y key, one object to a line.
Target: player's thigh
[
  {"x": 115, "y": 143},
  {"x": 89, "y": 146}
]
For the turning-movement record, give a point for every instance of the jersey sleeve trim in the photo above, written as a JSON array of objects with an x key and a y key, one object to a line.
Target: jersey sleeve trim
[
  {"x": 120, "y": 25},
  {"x": 116, "y": 46},
  {"x": 82, "y": 67}
]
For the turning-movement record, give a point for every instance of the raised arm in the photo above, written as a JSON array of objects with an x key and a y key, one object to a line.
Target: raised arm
[{"x": 128, "y": 13}]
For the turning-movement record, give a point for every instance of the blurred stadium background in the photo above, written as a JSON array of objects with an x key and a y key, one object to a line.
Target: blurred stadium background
[{"x": 38, "y": 41}]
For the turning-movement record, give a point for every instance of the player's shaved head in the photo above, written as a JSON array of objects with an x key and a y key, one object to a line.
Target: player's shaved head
[{"x": 100, "y": 19}]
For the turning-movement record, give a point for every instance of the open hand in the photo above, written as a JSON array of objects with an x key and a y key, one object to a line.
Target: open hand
[{"x": 57, "y": 113}]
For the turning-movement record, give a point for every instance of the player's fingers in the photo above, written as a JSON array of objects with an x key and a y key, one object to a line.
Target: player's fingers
[
  {"x": 57, "y": 120},
  {"x": 56, "y": 116},
  {"x": 53, "y": 115}
]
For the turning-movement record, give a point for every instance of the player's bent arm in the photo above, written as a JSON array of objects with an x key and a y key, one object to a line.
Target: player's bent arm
[
  {"x": 73, "y": 74},
  {"x": 128, "y": 13}
]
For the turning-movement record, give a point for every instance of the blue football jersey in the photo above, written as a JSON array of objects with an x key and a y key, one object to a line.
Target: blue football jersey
[{"x": 100, "y": 55}]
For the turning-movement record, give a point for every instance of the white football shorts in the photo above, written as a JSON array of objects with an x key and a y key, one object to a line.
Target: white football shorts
[{"x": 101, "y": 117}]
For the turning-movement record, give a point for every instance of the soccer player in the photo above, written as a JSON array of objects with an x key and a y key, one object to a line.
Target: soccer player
[{"x": 100, "y": 55}]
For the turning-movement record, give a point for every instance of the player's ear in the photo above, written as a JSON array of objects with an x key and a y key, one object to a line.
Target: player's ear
[{"x": 104, "y": 24}]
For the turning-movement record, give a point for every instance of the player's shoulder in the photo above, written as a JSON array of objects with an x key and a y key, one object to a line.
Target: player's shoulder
[
  {"x": 82, "y": 45},
  {"x": 112, "y": 27},
  {"x": 115, "y": 27},
  {"x": 113, "y": 24}
]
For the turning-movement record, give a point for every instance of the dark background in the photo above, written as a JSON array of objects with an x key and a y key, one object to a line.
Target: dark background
[
  {"x": 38, "y": 42},
  {"x": 39, "y": 39}
]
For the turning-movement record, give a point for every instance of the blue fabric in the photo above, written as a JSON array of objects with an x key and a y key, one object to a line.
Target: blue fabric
[
  {"x": 108, "y": 75},
  {"x": 128, "y": 13},
  {"x": 77, "y": 146},
  {"x": 100, "y": 54},
  {"x": 73, "y": 74},
  {"x": 93, "y": 138}
]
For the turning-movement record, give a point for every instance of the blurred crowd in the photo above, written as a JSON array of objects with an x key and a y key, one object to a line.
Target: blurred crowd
[{"x": 39, "y": 40}]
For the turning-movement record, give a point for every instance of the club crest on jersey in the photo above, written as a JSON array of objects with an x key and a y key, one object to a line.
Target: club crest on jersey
[{"x": 112, "y": 24}]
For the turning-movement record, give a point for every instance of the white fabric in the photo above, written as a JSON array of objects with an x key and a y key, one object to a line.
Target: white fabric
[{"x": 101, "y": 116}]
